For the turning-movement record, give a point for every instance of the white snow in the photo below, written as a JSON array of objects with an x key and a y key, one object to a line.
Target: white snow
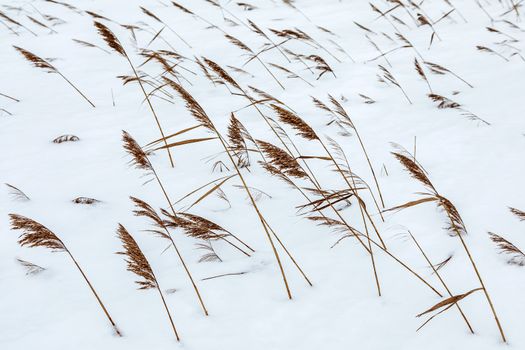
[{"x": 478, "y": 167}]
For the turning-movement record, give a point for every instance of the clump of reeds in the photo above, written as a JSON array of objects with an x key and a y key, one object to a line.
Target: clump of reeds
[
  {"x": 435, "y": 269},
  {"x": 200, "y": 115},
  {"x": 37, "y": 235},
  {"x": 343, "y": 118},
  {"x": 279, "y": 163},
  {"x": 41, "y": 63},
  {"x": 141, "y": 161},
  {"x": 456, "y": 227},
  {"x": 111, "y": 39},
  {"x": 307, "y": 132}
]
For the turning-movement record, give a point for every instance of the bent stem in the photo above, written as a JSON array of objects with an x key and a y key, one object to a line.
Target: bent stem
[
  {"x": 188, "y": 273},
  {"x": 316, "y": 184},
  {"x": 150, "y": 107},
  {"x": 362, "y": 210},
  {"x": 76, "y": 89},
  {"x": 167, "y": 311},
  {"x": 352, "y": 188},
  {"x": 356, "y": 233},
  {"x": 270, "y": 72},
  {"x": 442, "y": 281},
  {"x": 260, "y": 216},
  {"x": 370, "y": 166},
  {"x": 289, "y": 255},
  {"x": 115, "y": 328},
  {"x": 487, "y": 296}
]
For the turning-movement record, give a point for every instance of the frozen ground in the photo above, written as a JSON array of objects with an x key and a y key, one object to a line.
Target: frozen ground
[{"x": 478, "y": 167}]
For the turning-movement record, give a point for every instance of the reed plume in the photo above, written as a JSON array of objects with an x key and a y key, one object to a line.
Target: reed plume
[
  {"x": 252, "y": 55},
  {"x": 156, "y": 18},
  {"x": 281, "y": 160},
  {"x": 520, "y": 214},
  {"x": 140, "y": 266},
  {"x": 440, "y": 70},
  {"x": 237, "y": 135},
  {"x": 482, "y": 48},
  {"x": 422, "y": 74},
  {"x": 256, "y": 29},
  {"x": 141, "y": 161},
  {"x": 41, "y": 63},
  {"x": 34, "y": 234},
  {"x": 303, "y": 129},
  {"x": 424, "y": 21},
  {"x": 113, "y": 42},
  {"x": 389, "y": 77},
  {"x": 435, "y": 270},
  {"x": 515, "y": 255},
  {"x": 444, "y": 305}
]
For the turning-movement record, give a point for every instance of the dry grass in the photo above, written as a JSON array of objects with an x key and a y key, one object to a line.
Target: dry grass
[
  {"x": 113, "y": 42},
  {"x": 345, "y": 204},
  {"x": 200, "y": 115},
  {"x": 139, "y": 265},
  {"x": 513, "y": 254},
  {"x": 456, "y": 226},
  {"x": 141, "y": 161},
  {"x": 41, "y": 63},
  {"x": 34, "y": 234}
]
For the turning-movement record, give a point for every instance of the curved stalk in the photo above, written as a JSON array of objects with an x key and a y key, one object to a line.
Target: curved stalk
[{"x": 115, "y": 328}]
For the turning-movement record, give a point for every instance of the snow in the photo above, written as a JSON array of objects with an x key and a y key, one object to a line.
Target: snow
[{"x": 478, "y": 167}]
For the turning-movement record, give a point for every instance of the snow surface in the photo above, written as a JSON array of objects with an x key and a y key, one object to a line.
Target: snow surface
[{"x": 479, "y": 168}]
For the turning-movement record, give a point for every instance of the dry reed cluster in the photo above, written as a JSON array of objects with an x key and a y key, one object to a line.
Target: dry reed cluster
[{"x": 348, "y": 205}]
